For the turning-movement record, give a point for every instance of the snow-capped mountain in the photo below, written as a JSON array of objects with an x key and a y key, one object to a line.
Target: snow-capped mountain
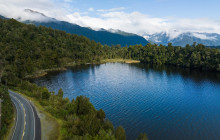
[{"x": 181, "y": 39}]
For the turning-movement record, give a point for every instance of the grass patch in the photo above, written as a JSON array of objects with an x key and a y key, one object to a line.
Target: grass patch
[
  {"x": 119, "y": 60},
  {"x": 42, "y": 73}
]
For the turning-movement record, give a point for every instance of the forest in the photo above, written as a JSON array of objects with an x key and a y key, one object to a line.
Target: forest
[
  {"x": 80, "y": 120},
  {"x": 26, "y": 49}
]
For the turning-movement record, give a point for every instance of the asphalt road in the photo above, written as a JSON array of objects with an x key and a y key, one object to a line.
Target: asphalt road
[{"x": 27, "y": 126}]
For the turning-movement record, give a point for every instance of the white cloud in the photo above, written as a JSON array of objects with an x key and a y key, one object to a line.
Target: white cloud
[
  {"x": 15, "y": 9},
  {"x": 91, "y": 9},
  {"x": 115, "y": 18},
  {"x": 203, "y": 36},
  {"x": 194, "y": 25},
  {"x": 136, "y": 22}
]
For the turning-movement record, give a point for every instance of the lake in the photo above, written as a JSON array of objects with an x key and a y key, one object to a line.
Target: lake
[{"x": 168, "y": 103}]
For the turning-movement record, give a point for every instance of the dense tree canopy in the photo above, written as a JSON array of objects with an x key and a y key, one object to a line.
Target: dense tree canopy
[
  {"x": 26, "y": 49},
  {"x": 142, "y": 136},
  {"x": 80, "y": 118},
  {"x": 120, "y": 133}
]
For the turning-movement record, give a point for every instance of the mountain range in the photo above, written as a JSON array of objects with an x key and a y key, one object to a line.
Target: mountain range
[
  {"x": 114, "y": 37},
  {"x": 182, "y": 39},
  {"x": 103, "y": 36}
]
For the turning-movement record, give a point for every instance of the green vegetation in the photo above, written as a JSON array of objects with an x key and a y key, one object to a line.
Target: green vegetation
[
  {"x": 27, "y": 49},
  {"x": 120, "y": 133},
  {"x": 142, "y": 136},
  {"x": 79, "y": 117},
  {"x": 50, "y": 126},
  {"x": 196, "y": 56},
  {"x": 103, "y": 36},
  {"x": 6, "y": 111},
  {"x": 119, "y": 60}
]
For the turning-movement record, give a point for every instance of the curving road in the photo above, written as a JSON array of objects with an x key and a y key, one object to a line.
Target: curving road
[{"x": 27, "y": 125}]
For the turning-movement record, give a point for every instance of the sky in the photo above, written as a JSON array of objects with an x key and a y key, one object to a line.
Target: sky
[{"x": 135, "y": 16}]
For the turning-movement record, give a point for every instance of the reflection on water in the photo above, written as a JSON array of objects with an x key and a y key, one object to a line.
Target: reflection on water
[{"x": 165, "y": 102}]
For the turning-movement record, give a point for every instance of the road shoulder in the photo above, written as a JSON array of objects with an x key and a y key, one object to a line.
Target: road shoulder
[{"x": 50, "y": 127}]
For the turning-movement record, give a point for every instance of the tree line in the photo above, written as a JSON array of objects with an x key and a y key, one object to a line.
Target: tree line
[
  {"x": 80, "y": 118},
  {"x": 26, "y": 49}
]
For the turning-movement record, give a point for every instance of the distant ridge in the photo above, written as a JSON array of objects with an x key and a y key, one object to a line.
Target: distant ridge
[
  {"x": 103, "y": 36},
  {"x": 2, "y": 17},
  {"x": 182, "y": 39}
]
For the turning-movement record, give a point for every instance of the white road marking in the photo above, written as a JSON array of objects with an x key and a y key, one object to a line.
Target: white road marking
[
  {"x": 17, "y": 116},
  {"x": 25, "y": 113},
  {"x": 16, "y": 121}
]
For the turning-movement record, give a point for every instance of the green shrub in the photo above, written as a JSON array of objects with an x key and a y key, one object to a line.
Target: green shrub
[{"x": 6, "y": 112}]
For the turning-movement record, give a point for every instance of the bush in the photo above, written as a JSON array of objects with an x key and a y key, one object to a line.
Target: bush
[
  {"x": 142, "y": 136},
  {"x": 45, "y": 94},
  {"x": 120, "y": 133},
  {"x": 83, "y": 105},
  {"x": 7, "y": 111}
]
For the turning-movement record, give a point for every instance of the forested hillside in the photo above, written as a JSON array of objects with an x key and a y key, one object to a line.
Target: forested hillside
[
  {"x": 196, "y": 56},
  {"x": 102, "y": 36},
  {"x": 26, "y": 49}
]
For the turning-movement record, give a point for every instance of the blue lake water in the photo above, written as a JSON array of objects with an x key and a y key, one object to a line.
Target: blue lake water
[{"x": 167, "y": 103}]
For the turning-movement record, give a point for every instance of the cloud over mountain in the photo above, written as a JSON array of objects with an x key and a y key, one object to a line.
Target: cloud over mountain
[{"x": 114, "y": 18}]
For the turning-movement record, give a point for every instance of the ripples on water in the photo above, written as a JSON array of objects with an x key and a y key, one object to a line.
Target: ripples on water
[{"x": 165, "y": 102}]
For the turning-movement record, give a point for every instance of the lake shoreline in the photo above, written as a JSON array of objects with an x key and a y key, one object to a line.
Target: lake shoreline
[
  {"x": 146, "y": 98},
  {"x": 44, "y": 72}
]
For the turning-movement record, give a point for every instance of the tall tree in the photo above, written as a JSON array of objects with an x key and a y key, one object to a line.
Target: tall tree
[{"x": 120, "y": 133}]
